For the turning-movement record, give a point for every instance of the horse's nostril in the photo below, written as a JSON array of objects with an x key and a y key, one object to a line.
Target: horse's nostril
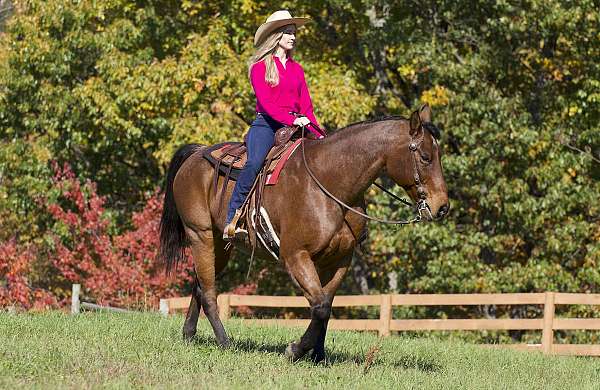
[{"x": 443, "y": 211}]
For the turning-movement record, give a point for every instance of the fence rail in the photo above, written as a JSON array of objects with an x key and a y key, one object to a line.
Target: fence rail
[
  {"x": 77, "y": 305},
  {"x": 386, "y": 323}
]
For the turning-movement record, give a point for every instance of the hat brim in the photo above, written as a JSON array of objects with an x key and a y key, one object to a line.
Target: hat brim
[{"x": 266, "y": 28}]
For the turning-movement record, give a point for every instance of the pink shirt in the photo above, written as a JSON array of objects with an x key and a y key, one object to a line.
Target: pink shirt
[{"x": 291, "y": 94}]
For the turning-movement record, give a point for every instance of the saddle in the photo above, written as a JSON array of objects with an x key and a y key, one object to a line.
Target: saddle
[{"x": 229, "y": 159}]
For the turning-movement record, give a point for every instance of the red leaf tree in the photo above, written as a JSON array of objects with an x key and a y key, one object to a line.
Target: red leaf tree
[
  {"x": 114, "y": 269},
  {"x": 118, "y": 270},
  {"x": 15, "y": 287}
]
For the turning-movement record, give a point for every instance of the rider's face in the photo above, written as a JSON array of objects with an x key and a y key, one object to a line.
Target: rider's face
[{"x": 288, "y": 40}]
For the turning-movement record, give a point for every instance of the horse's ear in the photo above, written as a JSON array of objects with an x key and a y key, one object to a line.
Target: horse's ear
[
  {"x": 415, "y": 123},
  {"x": 425, "y": 113}
]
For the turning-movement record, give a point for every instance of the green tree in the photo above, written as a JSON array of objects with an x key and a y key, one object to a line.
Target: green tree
[
  {"x": 513, "y": 88},
  {"x": 115, "y": 86}
]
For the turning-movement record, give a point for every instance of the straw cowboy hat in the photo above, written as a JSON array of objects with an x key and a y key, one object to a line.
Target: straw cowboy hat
[{"x": 277, "y": 19}]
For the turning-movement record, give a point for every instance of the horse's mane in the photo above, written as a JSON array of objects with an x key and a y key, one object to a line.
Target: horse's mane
[
  {"x": 374, "y": 120},
  {"x": 433, "y": 129}
]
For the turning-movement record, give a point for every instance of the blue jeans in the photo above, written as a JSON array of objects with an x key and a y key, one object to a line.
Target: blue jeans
[{"x": 259, "y": 141}]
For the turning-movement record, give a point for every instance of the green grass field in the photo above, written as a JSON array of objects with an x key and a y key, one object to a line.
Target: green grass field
[{"x": 145, "y": 350}]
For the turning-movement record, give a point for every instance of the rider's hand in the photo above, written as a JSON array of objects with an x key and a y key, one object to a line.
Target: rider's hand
[{"x": 301, "y": 121}]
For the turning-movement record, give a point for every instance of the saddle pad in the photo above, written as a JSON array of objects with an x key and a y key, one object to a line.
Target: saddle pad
[{"x": 273, "y": 177}]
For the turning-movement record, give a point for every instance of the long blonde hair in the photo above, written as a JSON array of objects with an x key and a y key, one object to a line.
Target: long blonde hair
[{"x": 265, "y": 52}]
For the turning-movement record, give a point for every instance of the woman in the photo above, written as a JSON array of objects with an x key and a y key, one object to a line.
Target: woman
[{"x": 280, "y": 89}]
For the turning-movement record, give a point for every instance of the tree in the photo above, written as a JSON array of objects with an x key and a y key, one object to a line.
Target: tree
[{"x": 116, "y": 87}]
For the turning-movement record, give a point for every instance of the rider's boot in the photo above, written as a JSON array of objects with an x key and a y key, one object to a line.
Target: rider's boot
[{"x": 230, "y": 228}]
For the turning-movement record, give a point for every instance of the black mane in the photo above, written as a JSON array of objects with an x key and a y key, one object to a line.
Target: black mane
[
  {"x": 373, "y": 120},
  {"x": 429, "y": 126},
  {"x": 433, "y": 129}
]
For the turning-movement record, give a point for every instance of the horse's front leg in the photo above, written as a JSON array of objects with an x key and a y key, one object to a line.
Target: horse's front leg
[
  {"x": 332, "y": 273},
  {"x": 302, "y": 269},
  {"x": 331, "y": 278}
]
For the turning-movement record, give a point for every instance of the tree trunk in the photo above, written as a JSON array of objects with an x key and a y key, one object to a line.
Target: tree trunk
[{"x": 359, "y": 270}]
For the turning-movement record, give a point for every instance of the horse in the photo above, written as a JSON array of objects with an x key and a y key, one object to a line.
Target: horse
[{"x": 317, "y": 235}]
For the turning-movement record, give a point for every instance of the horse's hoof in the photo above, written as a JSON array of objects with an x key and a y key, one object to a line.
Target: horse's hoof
[
  {"x": 291, "y": 352},
  {"x": 188, "y": 337},
  {"x": 317, "y": 356},
  {"x": 225, "y": 344}
]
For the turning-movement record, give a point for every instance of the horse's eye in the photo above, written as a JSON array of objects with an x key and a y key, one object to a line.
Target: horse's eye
[{"x": 426, "y": 158}]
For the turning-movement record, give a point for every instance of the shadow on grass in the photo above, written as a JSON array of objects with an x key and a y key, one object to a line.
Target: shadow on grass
[
  {"x": 405, "y": 361},
  {"x": 416, "y": 362}
]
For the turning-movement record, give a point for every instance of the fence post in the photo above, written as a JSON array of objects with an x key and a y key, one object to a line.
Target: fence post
[
  {"x": 163, "y": 307},
  {"x": 223, "y": 305},
  {"x": 75, "y": 299},
  {"x": 385, "y": 314},
  {"x": 547, "y": 332}
]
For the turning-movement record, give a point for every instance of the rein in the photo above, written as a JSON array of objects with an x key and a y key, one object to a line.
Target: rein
[{"x": 421, "y": 206}]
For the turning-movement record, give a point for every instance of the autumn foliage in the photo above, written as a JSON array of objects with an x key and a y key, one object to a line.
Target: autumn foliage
[
  {"x": 15, "y": 289},
  {"x": 114, "y": 269},
  {"x": 114, "y": 87}
]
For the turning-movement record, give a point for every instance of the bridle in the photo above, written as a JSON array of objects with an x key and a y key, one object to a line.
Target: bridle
[
  {"x": 415, "y": 148},
  {"x": 421, "y": 207}
]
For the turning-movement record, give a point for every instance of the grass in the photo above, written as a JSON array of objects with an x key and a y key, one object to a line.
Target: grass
[{"x": 95, "y": 350}]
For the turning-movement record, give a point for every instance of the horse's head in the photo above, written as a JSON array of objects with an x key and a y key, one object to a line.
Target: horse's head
[{"x": 417, "y": 166}]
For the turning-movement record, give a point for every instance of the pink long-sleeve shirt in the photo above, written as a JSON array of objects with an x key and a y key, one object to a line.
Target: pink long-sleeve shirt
[{"x": 291, "y": 94}]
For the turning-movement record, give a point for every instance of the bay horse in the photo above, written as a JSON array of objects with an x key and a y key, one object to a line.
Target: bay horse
[{"x": 317, "y": 235}]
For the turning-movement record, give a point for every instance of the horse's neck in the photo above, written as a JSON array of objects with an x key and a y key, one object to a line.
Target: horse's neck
[{"x": 347, "y": 164}]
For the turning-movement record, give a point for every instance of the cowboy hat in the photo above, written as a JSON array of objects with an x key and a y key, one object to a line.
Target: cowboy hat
[{"x": 277, "y": 19}]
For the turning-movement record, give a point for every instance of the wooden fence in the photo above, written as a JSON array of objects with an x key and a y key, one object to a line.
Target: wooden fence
[
  {"x": 386, "y": 323},
  {"x": 77, "y": 305}
]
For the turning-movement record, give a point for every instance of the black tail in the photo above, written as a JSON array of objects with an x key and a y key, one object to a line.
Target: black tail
[{"x": 172, "y": 234}]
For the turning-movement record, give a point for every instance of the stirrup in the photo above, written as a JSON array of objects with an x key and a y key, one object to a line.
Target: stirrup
[{"x": 230, "y": 229}]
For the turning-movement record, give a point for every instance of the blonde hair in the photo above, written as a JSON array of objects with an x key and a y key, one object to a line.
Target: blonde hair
[{"x": 265, "y": 52}]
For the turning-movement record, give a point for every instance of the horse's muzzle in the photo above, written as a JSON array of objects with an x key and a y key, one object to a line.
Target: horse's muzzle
[{"x": 443, "y": 211}]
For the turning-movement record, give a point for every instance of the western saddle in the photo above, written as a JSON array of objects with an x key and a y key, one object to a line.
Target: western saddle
[{"x": 229, "y": 159}]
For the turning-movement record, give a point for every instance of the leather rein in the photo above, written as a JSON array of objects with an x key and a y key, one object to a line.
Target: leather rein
[{"x": 422, "y": 208}]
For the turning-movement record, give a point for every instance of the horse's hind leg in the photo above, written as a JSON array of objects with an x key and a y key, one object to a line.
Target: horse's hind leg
[
  {"x": 191, "y": 319},
  {"x": 193, "y": 313},
  {"x": 204, "y": 252}
]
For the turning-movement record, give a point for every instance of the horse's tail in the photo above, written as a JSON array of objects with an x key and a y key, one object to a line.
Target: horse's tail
[{"x": 172, "y": 234}]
